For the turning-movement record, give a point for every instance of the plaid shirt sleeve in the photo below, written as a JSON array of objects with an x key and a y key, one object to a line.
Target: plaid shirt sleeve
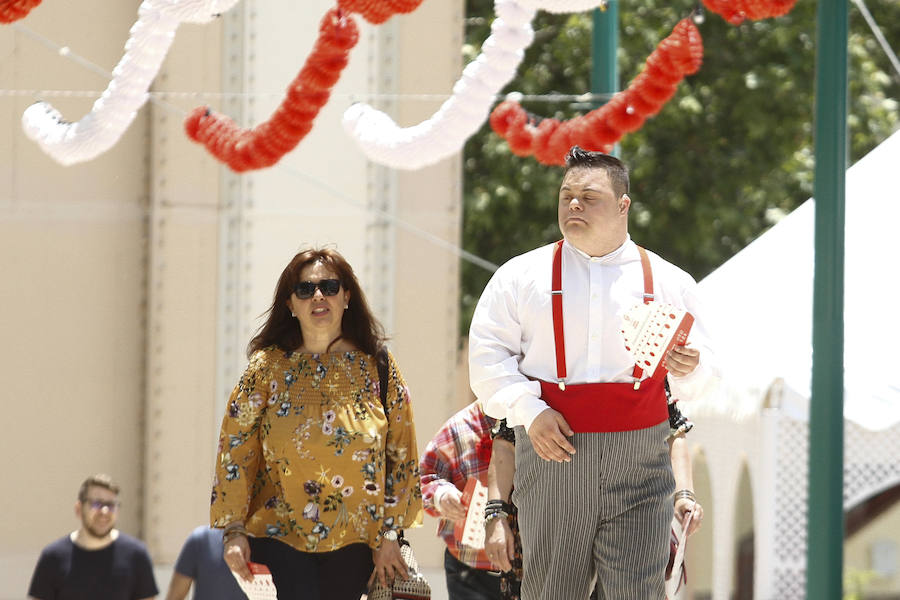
[
  {"x": 452, "y": 456},
  {"x": 459, "y": 450},
  {"x": 439, "y": 467}
]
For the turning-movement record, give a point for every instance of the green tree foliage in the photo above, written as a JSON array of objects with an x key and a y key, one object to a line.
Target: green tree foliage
[{"x": 728, "y": 156}]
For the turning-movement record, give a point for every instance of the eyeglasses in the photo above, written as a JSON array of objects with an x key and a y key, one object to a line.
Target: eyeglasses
[
  {"x": 307, "y": 289},
  {"x": 112, "y": 505}
]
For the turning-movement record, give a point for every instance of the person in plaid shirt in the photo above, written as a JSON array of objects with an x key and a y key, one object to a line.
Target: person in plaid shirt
[{"x": 459, "y": 450}]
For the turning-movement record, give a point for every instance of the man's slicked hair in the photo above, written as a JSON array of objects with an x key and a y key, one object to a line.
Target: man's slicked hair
[
  {"x": 98, "y": 480},
  {"x": 616, "y": 170}
]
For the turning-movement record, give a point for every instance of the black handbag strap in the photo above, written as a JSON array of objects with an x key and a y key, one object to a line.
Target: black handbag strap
[{"x": 381, "y": 361}]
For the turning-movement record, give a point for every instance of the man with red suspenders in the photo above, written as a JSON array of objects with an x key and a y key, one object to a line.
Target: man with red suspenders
[{"x": 593, "y": 482}]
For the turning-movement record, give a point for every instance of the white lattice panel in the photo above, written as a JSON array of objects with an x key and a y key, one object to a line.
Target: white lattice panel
[
  {"x": 870, "y": 466},
  {"x": 790, "y": 510},
  {"x": 871, "y": 462}
]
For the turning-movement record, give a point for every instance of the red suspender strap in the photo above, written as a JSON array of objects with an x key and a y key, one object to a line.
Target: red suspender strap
[
  {"x": 648, "y": 276},
  {"x": 556, "y": 300},
  {"x": 648, "y": 298}
]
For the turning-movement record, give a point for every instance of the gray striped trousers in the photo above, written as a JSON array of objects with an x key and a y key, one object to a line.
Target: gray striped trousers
[{"x": 605, "y": 516}]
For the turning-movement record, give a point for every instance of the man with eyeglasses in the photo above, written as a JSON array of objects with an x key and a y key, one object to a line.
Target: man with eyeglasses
[{"x": 96, "y": 561}]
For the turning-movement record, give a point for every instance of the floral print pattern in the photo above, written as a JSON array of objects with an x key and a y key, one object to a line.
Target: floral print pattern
[{"x": 309, "y": 455}]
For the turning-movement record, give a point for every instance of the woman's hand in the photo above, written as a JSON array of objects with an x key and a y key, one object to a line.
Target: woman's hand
[
  {"x": 499, "y": 544},
  {"x": 388, "y": 563},
  {"x": 685, "y": 507},
  {"x": 237, "y": 555}
]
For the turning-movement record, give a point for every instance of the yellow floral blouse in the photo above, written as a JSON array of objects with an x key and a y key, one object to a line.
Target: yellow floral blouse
[{"x": 307, "y": 454}]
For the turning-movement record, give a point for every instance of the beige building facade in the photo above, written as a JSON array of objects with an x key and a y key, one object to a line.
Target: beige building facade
[{"x": 132, "y": 283}]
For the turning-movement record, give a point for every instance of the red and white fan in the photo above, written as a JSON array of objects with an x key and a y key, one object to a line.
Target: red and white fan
[
  {"x": 651, "y": 330},
  {"x": 262, "y": 587},
  {"x": 474, "y": 498}
]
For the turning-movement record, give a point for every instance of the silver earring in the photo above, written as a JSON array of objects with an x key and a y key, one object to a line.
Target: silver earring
[
  {"x": 346, "y": 306},
  {"x": 293, "y": 315}
]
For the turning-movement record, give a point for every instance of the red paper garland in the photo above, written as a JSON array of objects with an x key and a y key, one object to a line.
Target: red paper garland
[
  {"x": 13, "y": 10},
  {"x": 678, "y": 55},
  {"x": 265, "y": 144},
  {"x": 379, "y": 11},
  {"x": 735, "y": 11}
]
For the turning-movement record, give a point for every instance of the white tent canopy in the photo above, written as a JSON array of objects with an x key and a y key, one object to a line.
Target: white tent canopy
[{"x": 760, "y": 304}]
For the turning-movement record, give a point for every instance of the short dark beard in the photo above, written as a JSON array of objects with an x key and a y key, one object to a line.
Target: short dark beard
[{"x": 94, "y": 532}]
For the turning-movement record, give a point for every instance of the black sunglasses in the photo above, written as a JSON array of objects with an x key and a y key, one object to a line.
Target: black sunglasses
[{"x": 306, "y": 289}]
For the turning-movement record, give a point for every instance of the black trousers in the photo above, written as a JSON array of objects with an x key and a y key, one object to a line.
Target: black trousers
[
  {"x": 467, "y": 583},
  {"x": 338, "y": 575}
]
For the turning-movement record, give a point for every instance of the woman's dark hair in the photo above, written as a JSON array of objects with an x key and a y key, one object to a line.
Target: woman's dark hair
[
  {"x": 358, "y": 325},
  {"x": 615, "y": 169}
]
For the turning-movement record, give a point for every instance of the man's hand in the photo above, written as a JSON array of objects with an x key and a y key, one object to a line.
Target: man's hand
[
  {"x": 682, "y": 360},
  {"x": 450, "y": 504},
  {"x": 499, "y": 543},
  {"x": 548, "y": 434},
  {"x": 237, "y": 555}
]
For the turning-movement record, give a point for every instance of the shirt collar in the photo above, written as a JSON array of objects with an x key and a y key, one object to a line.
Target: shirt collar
[{"x": 617, "y": 256}]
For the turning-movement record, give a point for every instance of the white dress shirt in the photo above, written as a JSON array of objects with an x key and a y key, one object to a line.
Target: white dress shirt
[{"x": 511, "y": 343}]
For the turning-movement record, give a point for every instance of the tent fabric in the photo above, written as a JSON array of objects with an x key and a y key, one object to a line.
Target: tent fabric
[{"x": 760, "y": 305}]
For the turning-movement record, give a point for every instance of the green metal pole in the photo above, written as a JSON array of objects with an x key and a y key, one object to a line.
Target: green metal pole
[
  {"x": 825, "y": 539},
  {"x": 604, "y": 42}
]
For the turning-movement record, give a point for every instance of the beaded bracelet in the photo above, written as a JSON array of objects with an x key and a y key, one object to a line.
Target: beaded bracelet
[
  {"x": 488, "y": 517},
  {"x": 493, "y": 505},
  {"x": 684, "y": 494},
  {"x": 234, "y": 532}
]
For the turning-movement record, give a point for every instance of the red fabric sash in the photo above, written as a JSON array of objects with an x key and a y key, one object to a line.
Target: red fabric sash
[{"x": 608, "y": 407}]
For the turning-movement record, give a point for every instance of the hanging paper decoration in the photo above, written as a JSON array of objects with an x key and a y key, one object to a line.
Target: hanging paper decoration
[
  {"x": 150, "y": 38},
  {"x": 13, "y": 10},
  {"x": 678, "y": 55},
  {"x": 735, "y": 11},
  {"x": 378, "y": 11},
  {"x": 265, "y": 144},
  {"x": 384, "y": 142},
  {"x": 460, "y": 116},
  {"x": 563, "y": 6}
]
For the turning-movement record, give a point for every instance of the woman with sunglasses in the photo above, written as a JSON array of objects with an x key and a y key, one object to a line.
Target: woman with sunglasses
[{"x": 317, "y": 468}]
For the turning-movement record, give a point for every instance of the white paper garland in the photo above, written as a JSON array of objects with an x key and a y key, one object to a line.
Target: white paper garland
[
  {"x": 150, "y": 38},
  {"x": 563, "y": 6},
  {"x": 460, "y": 115},
  {"x": 458, "y": 118}
]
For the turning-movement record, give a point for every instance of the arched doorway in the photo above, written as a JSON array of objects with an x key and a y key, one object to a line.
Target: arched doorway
[
  {"x": 872, "y": 546},
  {"x": 742, "y": 587},
  {"x": 699, "y": 554}
]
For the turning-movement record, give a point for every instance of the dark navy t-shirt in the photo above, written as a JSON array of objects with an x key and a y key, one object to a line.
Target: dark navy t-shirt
[
  {"x": 120, "y": 571},
  {"x": 201, "y": 560}
]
